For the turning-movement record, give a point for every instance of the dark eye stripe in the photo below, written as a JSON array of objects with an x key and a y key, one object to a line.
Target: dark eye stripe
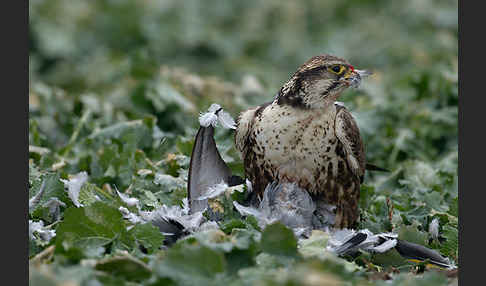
[{"x": 331, "y": 87}]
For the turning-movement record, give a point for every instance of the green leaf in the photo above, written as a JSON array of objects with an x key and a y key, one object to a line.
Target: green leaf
[
  {"x": 56, "y": 274},
  {"x": 87, "y": 231},
  {"x": 215, "y": 239},
  {"x": 411, "y": 233},
  {"x": 228, "y": 225},
  {"x": 388, "y": 258},
  {"x": 191, "y": 264},
  {"x": 169, "y": 183},
  {"x": 53, "y": 187},
  {"x": 87, "y": 194},
  {"x": 34, "y": 173},
  {"x": 453, "y": 208},
  {"x": 315, "y": 245},
  {"x": 244, "y": 251},
  {"x": 147, "y": 235},
  {"x": 450, "y": 246},
  {"x": 435, "y": 200},
  {"x": 162, "y": 95},
  {"x": 366, "y": 196},
  {"x": 124, "y": 266},
  {"x": 279, "y": 240},
  {"x": 134, "y": 133}
]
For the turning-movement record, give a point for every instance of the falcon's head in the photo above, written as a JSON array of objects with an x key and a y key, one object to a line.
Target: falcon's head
[{"x": 319, "y": 82}]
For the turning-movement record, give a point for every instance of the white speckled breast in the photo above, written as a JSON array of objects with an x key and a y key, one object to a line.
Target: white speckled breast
[{"x": 298, "y": 144}]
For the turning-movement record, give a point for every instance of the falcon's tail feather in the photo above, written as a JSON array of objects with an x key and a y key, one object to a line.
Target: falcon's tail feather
[{"x": 371, "y": 167}]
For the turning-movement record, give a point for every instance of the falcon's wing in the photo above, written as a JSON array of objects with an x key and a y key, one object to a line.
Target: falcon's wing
[
  {"x": 348, "y": 134},
  {"x": 244, "y": 124},
  {"x": 244, "y": 127}
]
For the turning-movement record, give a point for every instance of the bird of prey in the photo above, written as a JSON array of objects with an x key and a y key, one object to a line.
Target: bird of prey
[
  {"x": 283, "y": 198},
  {"x": 303, "y": 136}
]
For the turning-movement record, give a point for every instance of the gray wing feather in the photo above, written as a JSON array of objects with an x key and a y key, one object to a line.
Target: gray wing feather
[{"x": 206, "y": 168}]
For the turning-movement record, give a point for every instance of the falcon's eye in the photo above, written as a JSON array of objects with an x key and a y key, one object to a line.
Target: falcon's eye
[{"x": 337, "y": 69}]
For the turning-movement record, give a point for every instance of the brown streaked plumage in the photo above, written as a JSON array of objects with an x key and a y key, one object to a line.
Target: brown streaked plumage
[{"x": 302, "y": 136}]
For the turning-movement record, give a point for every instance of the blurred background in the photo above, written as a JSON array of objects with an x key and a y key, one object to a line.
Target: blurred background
[
  {"x": 124, "y": 60},
  {"x": 120, "y": 49},
  {"x": 116, "y": 87}
]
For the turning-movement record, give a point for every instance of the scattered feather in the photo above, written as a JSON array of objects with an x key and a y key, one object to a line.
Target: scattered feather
[
  {"x": 34, "y": 227},
  {"x": 74, "y": 185},
  {"x": 249, "y": 186},
  {"x": 214, "y": 108},
  {"x": 54, "y": 205},
  {"x": 131, "y": 217},
  {"x": 45, "y": 234},
  {"x": 385, "y": 246},
  {"x": 208, "y": 225},
  {"x": 208, "y": 119},
  {"x": 341, "y": 241},
  {"x": 214, "y": 115},
  {"x": 185, "y": 205},
  {"x": 226, "y": 120},
  {"x": 127, "y": 200},
  {"x": 434, "y": 228},
  {"x": 214, "y": 191},
  {"x": 247, "y": 210},
  {"x": 189, "y": 222}
]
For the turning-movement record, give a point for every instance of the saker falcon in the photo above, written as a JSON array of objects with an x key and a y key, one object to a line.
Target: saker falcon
[{"x": 304, "y": 136}]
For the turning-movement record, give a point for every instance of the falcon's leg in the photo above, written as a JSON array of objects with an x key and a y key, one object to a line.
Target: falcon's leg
[{"x": 347, "y": 211}]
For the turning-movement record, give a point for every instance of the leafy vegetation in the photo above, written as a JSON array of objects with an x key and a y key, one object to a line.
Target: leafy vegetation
[{"x": 115, "y": 89}]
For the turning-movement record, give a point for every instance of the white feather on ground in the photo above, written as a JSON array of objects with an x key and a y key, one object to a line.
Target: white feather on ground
[
  {"x": 54, "y": 205},
  {"x": 434, "y": 228},
  {"x": 131, "y": 217},
  {"x": 214, "y": 191},
  {"x": 163, "y": 217},
  {"x": 127, "y": 200},
  {"x": 74, "y": 185},
  {"x": 44, "y": 233},
  {"x": 371, "y": 243}
]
